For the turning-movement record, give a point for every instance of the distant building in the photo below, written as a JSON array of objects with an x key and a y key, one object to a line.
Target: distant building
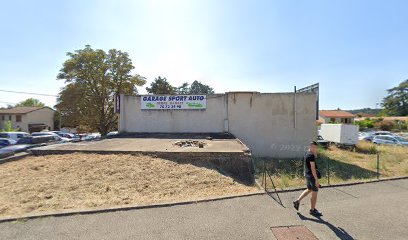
[
  {"x": 336, "y": 116},
  {"x": 28, "y": 119}
]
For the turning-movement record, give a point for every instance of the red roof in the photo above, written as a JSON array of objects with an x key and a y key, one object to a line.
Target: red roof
[{"x": 336, "y": 114}]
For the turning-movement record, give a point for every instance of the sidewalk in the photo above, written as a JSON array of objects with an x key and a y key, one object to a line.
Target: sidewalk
[{"x": 367, "y": 211}]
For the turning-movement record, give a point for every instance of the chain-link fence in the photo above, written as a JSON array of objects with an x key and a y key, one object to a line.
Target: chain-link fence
[{"x": 366, "y": 162}]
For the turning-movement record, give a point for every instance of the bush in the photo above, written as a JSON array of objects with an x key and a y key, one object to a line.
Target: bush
[
  {"x": 384, "y": 125},
  {"x": 366, "y": 148},
  {"x": 8, "y": 127},
  {"x": 366, "y": 123}
]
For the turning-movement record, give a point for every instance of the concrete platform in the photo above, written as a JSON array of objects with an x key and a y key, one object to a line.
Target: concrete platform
[
  {"x": 144, "y": 145},
  {"x": 229, "y": 156}
]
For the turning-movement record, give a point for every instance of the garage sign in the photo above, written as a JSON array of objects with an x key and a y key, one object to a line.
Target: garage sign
[{"x": 188, "y": 102}]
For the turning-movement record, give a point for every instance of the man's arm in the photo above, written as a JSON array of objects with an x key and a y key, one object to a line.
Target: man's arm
[{"x": 313, "y": 168}]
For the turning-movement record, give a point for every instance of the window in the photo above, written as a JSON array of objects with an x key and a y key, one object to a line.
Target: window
[
  {"x": 332, "y": 120},
  {"x": 10, "y": 118},
  {"x": 18, "y": 118},
  {"x": 2, "y": 118}
]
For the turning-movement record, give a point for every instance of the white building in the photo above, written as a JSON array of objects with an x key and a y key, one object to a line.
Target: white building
[
  {"x": 270, "y": 124},
  {"x": 28, "y": 119}
]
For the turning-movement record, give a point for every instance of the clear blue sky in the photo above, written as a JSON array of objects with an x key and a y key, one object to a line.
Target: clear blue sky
[{"x": 355, "y": 49}]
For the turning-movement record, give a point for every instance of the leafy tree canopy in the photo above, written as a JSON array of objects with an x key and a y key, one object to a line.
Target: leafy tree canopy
[
  {"x": 30, "y": 102},
  {"x": 396, "y": 102},
  {"x": 161, "y": 86},
  {"x": 93, "y": 78}
]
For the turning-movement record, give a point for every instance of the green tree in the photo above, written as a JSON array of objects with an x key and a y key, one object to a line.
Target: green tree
[
  {"x": 30, "y": 102},
  {"x": 199, "y": 88},
  {"x": 93, "y": 78},
  {"x": 183, "y": 89},
  {"x": 396, "y": 103},
  {"x": 161, "y": 86}
]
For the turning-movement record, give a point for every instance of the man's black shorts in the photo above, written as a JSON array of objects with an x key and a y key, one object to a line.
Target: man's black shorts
[{"x": 311, "y": 184}]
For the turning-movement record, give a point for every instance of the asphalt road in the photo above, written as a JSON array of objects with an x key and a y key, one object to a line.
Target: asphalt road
[{"x": 368, "y": 211}]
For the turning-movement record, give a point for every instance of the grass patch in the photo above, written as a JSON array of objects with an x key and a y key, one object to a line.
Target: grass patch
[{"x": 342, "y": 165}]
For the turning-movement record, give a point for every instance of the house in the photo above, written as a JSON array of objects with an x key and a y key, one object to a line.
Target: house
[
  {"x": 28, "y": 119},
  {"x": 336, "y": 116}
]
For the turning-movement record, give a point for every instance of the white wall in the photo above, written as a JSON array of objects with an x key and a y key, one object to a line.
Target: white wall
[
  {"x": 265, "y": 122},
  {"x": 133, "y": 119}
]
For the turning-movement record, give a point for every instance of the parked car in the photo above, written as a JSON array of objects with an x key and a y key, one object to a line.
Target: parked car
[
  {"x": 393, "y": 140},
  {"x": 37, "y": 141},
  {"x": 383, "y": 133},
  {"x": 369, "y": 138},
  {"x": 322, "y": 142},
  {"x": 112, "y": 134},
  {"x": 56, "y": 137},
  {"x": 4, "y": 142},
  {"x": 11, "y": 150},
  {"x": 14, "y": 135},
  {"x": 92, "y": 136}
]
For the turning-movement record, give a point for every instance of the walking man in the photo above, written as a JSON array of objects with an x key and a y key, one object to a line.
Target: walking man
[{"x": 312, "y": 180}]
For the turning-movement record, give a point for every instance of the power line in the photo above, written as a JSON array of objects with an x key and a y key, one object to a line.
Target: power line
[
  {"x": 8, "y": 102},
  {"x": 40, "y": 94}
]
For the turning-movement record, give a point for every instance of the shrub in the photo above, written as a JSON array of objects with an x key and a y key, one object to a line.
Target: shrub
[
  {"x": 366, "y": 147},
  {"x": 384, "y": 125},
  {"x": 366, "y": 123},
  {"x": 8, "y": 127}
]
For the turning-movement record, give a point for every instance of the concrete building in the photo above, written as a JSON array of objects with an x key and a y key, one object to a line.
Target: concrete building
[
  {"x": 28, "y": 119},
  {"x": 270, "y": 124},
  {"x": 336, "y": 116}
]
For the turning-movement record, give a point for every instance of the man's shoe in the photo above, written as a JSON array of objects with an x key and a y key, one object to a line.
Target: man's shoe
[
  {"x": 296, "y": 205},
  {"x": 315, "y": 213}
]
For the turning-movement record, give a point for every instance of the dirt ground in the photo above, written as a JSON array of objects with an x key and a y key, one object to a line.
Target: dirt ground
[{"x": 85, "y": 181}]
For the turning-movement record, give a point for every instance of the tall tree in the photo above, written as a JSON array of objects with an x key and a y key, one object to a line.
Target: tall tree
[
  {"x": 30, "y": 102},
  {"x": 183, "y": 89},
  {"x": 93, "y": 78},
  {"x": 161, "y": 86},
  {"x": 199, "y": 88},
  {"x": 396, "y": 103}
]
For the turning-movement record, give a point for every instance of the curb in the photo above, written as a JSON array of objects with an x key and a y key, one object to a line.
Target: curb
[
  {"x": 16, "y": 157},
  {"x": 122, "y": 208}
]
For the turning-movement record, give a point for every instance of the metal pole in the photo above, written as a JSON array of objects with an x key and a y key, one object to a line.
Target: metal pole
[
  {"x": 378, "y": 166},
  {"x": 328, "y": 171},
  {"x": 264, "y": 175}
]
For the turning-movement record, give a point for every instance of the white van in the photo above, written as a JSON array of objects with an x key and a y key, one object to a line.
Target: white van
[{"x": 14, "y": 135}]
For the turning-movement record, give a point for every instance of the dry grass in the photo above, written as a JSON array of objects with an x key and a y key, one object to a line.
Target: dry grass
[
  {"x": 345, "y": 165},
  {"x": 84, "y": 181}
]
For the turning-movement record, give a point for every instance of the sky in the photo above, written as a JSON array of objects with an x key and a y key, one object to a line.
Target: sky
[{"x": 355, "y": 49}]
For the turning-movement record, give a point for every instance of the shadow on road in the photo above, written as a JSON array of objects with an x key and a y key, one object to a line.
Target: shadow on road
[{"x": 340, "y": 232}]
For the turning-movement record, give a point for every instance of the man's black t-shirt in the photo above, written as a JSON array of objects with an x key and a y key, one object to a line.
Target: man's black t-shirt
[{"x": 310, "y": 157}]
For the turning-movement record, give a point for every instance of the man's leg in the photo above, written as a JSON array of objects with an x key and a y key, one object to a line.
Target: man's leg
[
  {"x": 313, "y": 200},
  {"x": 303, "y": 195}
]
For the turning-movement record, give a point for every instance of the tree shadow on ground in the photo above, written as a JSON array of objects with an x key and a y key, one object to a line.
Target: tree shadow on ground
[{"x": 340, "y": 232}]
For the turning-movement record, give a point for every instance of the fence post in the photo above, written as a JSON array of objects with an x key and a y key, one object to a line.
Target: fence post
[
  {"x": 328, "y": 171},
  {"x": 378, "y": 166}
]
